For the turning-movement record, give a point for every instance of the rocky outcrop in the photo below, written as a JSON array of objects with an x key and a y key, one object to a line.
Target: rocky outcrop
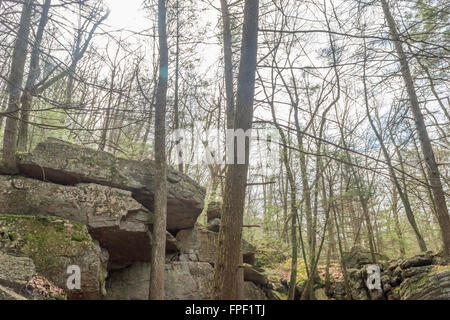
[
  {"x": 72, "y": 205},
  {"x": 255, "y": 276},
  {"x": 19, "y": 281},
  {"x": 113, "y": 217},
  {"x": 52, "y": 245},
  {"x": 197, "y": 244},
  {"x": 426, "y": 284},
  {"x": 423, "y": 277},
  {"x": 117, "y": 221},
  {"x": 214, "y": 215},
  {"x": 15, "y": 272},
  {"x": 252, "y": 292},
  {"x": 356, "y": 258},
  {"x": 184, "y": 280},
  {"x": 189, "y": 273},
  {"x": 68, "y": 164},
  {"x": 188, "y": 281},
  {"x": 214, "y": 225}
]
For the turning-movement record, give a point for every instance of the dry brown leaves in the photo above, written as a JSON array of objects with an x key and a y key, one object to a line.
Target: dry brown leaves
[{"x": 40, "y": 286}]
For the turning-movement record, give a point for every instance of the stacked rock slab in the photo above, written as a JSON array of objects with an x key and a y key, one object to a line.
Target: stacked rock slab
[
  {"x": 113, "y": 217},
  {"x": 423, "y": 277},
  {"x": 69, "y": 164}
]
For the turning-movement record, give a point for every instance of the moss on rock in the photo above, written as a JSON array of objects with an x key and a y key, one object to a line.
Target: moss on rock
[{"x": 54, "y": 244}]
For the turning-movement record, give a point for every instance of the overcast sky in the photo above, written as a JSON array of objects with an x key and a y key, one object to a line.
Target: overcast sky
[{"x": 126, "y": 14}]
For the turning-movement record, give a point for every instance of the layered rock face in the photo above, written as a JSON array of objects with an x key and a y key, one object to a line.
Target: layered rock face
[
  {"x": 184, "y": 280},
  {"x": 113, "y": 217},
  {"x": 189, "y": 272},
  {"x": 74, "y": 206},
  {"x": 422, "y": 277},
  {"x": 68, "y": 164}
]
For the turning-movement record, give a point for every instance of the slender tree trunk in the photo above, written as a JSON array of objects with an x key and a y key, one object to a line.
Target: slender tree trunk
[
  {"x": 160, "y": 210},
  {"x": 427, "y": 150},
  {"x": 330, "y": 249},
  {"x": 228, "y": 63},
  {"x": 293, "y": 208},
  {"x": 3, "y": 104},
  {"x": 178, "y": 142},
  {"x": 33, "y": 75},
  {"x": 228, "y": 253},
  {"x": 341, "y": 251},
  {"x": 398, "y": 230},
  {"x": 15, "y": 87}
]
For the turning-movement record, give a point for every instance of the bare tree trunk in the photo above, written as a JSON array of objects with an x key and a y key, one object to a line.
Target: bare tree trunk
[
  {"x": 341, "y": 251},
  {"x": 178, "y": 142},
  {"x": 109, "y": 111},
  {"x": 15, "y": 87},
  {"x": 160, "y": 218},
  {"x": 398, "y": 230},
  {"x": 230, "y": 234},
  {"x": 33, "y": 75},
  {"x": 228, "y": 62},
  {"x": 293, "y": 208},
  {"x": 427, "y": 150}
]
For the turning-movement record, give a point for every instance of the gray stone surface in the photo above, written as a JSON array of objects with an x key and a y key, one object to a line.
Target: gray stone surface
[
  {"x": 183, "y": 281},
  {"x": 114, "y": 218},
  {"x": 65, "y": 163},
  {"x": 15, "y": 272}
]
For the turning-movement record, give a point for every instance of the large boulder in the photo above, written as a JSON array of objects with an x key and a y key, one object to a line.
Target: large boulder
[
  {"x": 65, "y": 163},
  {"x": 214, "y": 225},
  {"x": 183, "y": 281},
  {"x": 189, "y": 281},
  {"x": 199, "y": 244},
  {"x": 423, "y": 259},
  {"x": 113, "y": 217},
  {"x": 255, "y": 276},
  {"x": 117, "y": 221},
  {"x": 356, "y": 258},
  {"x": 213, "y": 214},
  {"x": 248, "y": 252},
  {"x": 53, "y": 244},
  {"x": 130, "y": 283},
  {"x": 15, "y": 272},
  {"x": 253, "y": 292}
]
